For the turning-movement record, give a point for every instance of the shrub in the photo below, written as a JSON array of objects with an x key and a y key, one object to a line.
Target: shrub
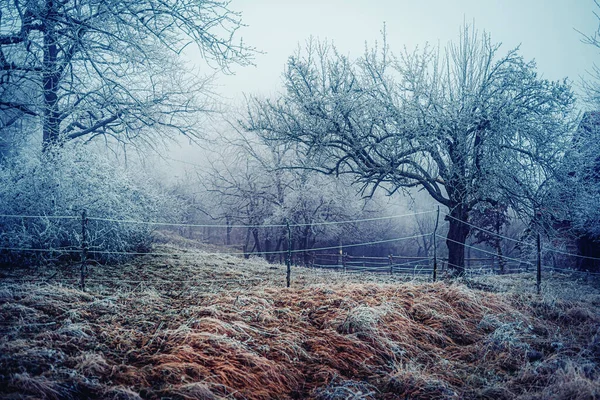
[{"x": 64, "y": 182}]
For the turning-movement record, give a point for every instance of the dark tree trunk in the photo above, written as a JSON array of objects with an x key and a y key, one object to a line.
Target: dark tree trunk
[
  {"x": 247, "y": 243},
  {"x": 589, "y": 248},
  {"x": 501, "y": 260},
  {"x": 228, "y": 233},
  {"x": 277, "y": 247},
  {"x": 256, "y": 241},
  {"x": 498, "y": 243},
  {"x": 268, "y": 256},
  {"x": 457, "y": 235},
  {"x": 50, "y": 79},
  {"x": 306, "y": 245}
]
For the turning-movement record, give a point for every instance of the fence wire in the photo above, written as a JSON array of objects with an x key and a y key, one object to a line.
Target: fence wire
[
  {"x": 546, "y": 248},
  {"x": 185, "y": 254},
  {"x": 295, "y": 251},
  {"x": 222, "y": 226}
]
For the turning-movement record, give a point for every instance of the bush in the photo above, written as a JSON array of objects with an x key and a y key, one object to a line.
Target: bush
[{"x": 64, "y": 182}]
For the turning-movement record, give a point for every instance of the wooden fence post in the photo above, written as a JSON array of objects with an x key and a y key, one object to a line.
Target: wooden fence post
[
  {"x": 83, "y": 248},
  {"x": 539, "y": 263},
  {"x": 289, "y": 255},
  {"x": 437, "y": 220},
  {"x": 340, "y": 252},
  {"x": 391, "y": 258}
]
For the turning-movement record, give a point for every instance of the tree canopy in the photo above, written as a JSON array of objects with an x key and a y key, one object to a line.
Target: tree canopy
[
  {"x": 464, "y": 123},
  {"x": 88, "y": 68}
]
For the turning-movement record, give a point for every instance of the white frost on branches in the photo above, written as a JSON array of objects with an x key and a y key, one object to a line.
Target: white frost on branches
[{"x": 64, "y": 183}]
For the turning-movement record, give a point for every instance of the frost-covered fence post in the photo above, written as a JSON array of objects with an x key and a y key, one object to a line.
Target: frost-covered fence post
[
  {"x": 83, "y": 247},
  {"x": 437, "y": 220},
  {"x": 289, "y": 254},
  {"x": 539, "y": 263},
  {"x": 340, "y": 252},
  {"x": 391, "y": 261}
]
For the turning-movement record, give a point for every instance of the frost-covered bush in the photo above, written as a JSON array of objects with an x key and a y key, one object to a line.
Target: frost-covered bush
[
  {"x": 580, "y": 191},
  {"x": 64, "y": 182}
]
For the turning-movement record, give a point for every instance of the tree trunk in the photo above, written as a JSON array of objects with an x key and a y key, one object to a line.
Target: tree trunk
[
  {"x": 457, "y": 235},
  {"x": 228, "y": 233},
  {"x": 306, "y": 245},
  {"x": 256, "y": 241},
  {"x": 50, "y": 79},
  {"x": 247, "y": 243},
  {"x": 277, "y": 247},
  {"x": 268, "y": 256},
  {"x": 498, "y": 243},
  {"x": 501, "y": 260}
]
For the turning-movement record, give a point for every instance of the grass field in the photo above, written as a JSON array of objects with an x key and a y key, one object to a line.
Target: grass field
[{"x": 205, "y": 326}]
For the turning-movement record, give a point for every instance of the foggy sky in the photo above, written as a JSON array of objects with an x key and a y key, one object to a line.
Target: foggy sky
[{"x": 545, "y": 31}]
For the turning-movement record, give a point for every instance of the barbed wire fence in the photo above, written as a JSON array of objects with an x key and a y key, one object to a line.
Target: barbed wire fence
[{"x": 425, "y": 265}]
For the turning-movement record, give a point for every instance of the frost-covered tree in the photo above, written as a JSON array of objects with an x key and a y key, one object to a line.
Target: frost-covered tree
[
  {"x": 574, "y": 195},
  {"x": 575, "y": 199},
  {"x": 591, "y": 85},
  {"x": 242, "y": 194},
  {"x": 491, "y": 220},
  {"x": 90, "y": 68},
  {"x": 51, "y": 196},
  {"x": 250, "y": 185},
  {"x": 465, "y": 123}
]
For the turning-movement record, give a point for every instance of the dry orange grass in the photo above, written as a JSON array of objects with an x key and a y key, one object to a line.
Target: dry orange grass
[{"x": 330, "y": 336}]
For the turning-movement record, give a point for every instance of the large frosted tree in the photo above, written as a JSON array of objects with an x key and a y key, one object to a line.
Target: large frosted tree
[
  {"x": 464, "y": 123},
  {"x": 87, "y": 68}
]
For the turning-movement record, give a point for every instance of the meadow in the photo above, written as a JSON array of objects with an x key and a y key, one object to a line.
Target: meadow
[{"x": 210, "y": 326}]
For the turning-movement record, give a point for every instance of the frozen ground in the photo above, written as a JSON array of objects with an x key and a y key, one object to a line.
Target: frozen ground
[{"x": 209, "y": 326}]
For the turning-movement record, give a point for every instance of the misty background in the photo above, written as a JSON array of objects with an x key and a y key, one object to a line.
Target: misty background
[{"x": 548, "y": 32}]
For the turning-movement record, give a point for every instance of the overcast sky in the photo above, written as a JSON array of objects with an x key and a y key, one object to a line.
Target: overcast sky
[{"x": 546, "y": 31}]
